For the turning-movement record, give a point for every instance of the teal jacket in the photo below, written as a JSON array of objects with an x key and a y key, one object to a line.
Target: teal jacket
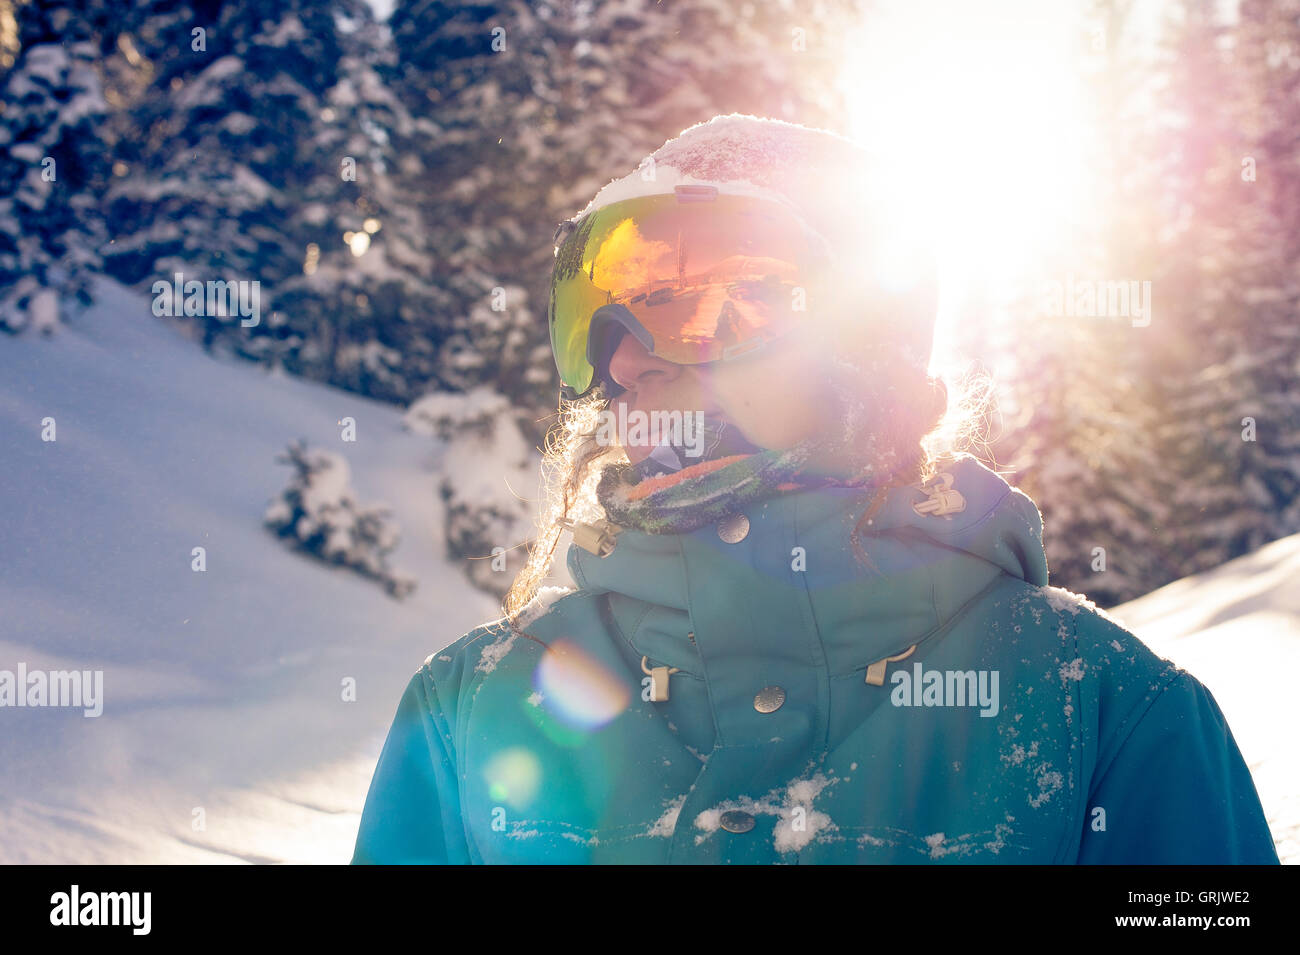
[{"x": 945, "y": 706}]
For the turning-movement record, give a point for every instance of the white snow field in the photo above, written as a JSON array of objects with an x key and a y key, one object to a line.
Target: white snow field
[
  {"x": 1236, "y": 628},
  {"x": 224, "y": 735},
  {"x": 223, "y": 690}
]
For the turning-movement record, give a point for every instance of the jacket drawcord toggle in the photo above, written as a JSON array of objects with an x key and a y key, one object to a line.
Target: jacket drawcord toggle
[
  {"x": 876, "y": 672},
  {"x": 945, "y": 500},
  {"x": 658, "y": 680},
  {"x": 598, "y": 537}
]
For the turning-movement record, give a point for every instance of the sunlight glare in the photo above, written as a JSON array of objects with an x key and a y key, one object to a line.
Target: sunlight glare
[{"x": 980, "y": 110}]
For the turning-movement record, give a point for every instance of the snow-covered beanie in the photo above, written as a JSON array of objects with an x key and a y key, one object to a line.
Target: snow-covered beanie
[
  {"x": 884, "y": 309},
  {"x": 889, "y": 292}
]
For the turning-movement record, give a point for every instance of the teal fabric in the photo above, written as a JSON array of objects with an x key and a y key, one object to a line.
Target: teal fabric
[{"x": 504, "y": 751}]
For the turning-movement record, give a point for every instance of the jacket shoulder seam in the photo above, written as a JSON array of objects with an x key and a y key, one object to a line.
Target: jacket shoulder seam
[{"x": 1131, "y": 722}]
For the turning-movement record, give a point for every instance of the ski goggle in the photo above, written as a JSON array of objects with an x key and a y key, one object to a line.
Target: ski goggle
[{"x": 695, "y": 276}]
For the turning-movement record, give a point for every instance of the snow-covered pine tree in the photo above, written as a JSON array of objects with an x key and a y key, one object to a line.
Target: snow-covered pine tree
[
  {"x": 52, "y": 167},
  {"x": 218, "y": 148},
  {"x": 366, "y": 274},
  {"x": 319, "y": 513},
  {"x": 1078, "y": 423},
  {"x": 1227, "y": 371},
  {"x": 487, "y": 470},
  {"x": 473, "y": 180},
  {"x": 1269, "y": 40},
  {"x": 1174, "y": 445},
  {"x": 1077, "y": 438}
]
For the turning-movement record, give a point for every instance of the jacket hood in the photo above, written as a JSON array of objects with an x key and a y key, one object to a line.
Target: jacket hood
[{"x": 795, "y": 566}]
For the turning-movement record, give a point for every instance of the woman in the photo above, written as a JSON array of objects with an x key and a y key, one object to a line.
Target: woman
[{"x": 798, "y": 635}]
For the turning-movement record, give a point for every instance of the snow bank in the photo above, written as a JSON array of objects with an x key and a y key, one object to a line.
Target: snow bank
[
  {"x": 244, "y": 705},
  {"x": 1236, "y": 628}
]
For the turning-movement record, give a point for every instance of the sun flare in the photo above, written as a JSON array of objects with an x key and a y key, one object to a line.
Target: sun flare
[{"x": 980, "y": 109}]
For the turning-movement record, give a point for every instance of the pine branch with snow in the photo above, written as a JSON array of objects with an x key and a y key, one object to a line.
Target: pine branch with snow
[
  {"x": 319, "y": 513},
  {"x": 486, "y": 465},
  {"x": 51, "y": 169}
]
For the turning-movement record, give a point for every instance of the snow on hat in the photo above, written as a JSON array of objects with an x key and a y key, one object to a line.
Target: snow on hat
[{"x": 889, "y": 293}]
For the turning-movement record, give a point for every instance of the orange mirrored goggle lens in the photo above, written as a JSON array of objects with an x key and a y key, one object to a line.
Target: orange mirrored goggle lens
[{"x": 707, "y": 277}]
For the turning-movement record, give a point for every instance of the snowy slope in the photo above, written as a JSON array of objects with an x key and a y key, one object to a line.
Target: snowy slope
[
  {"x": 1236, "y": 628},
  {"x": 223, "y": 689}
]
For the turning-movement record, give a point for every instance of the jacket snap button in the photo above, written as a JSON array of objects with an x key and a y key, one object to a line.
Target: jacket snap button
[
  {"x": 769, "y": 699},
  {"x": 734, "y": 820},
  {"x": 733, "y": 528}
]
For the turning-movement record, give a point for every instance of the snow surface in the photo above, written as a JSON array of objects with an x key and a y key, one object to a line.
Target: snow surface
[
  {"x": 223, "y": 689},
  {"x": 1236, "y": 628}
]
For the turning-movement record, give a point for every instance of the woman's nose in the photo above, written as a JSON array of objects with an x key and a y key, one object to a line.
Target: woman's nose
[{"x": 632, "y": 365}]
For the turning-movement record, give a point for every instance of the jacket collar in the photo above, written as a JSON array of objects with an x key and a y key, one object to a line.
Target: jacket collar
[{"x": 793, "y": 578}]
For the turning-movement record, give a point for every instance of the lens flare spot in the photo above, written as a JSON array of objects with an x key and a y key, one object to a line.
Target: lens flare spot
[
  {"x": 578, "y": 688},
  {"x": 513, "y": 776}
]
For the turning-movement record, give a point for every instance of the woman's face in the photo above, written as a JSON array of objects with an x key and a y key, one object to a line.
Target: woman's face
[{"x": 776, "y": 396}]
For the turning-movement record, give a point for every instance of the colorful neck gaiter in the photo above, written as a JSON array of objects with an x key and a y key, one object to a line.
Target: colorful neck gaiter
[
  {"x": 675, "y": 502},
  {"x": 713, "y": 438},
  {"x": 658, "y": 498}
]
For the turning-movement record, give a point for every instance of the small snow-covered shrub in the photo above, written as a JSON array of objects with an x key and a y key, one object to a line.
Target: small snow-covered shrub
[
  {"x": 320, "y": 514},
  {"x": 448, "y": 415},
  {"x": 486, "y": 469}
]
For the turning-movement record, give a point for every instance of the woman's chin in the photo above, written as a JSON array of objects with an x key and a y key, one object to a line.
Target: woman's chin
[{"x": 636, "y": 453}]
